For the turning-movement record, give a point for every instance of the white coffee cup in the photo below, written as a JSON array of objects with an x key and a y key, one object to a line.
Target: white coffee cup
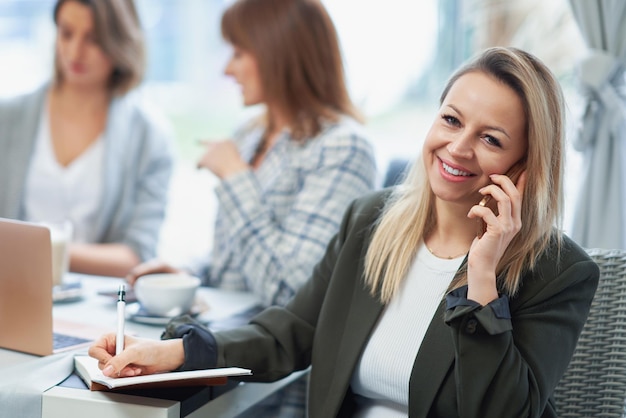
[
  {"x": 166, "y": 294},
  {"x": 60, "y": 238}
]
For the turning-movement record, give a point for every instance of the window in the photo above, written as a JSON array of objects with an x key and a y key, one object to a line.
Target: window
[{"x": 398, "y": 55}]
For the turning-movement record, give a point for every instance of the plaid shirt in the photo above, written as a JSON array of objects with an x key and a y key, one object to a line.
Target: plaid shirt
[{"x": 274, "y": 223}]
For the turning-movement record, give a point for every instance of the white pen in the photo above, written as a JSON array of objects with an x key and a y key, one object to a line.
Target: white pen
[{"x": 121, "y": 317}]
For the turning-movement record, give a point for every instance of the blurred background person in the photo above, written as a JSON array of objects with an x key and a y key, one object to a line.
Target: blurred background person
[
  {"x": 83, "y": 148},
  {"x": 285, "y": 177}
]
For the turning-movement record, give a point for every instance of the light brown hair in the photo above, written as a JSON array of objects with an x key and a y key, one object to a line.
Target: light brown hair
[
  {"x": 409, "y": 214},
  {"x": 296, "y": 47},
  {"x": 118, "y": 33}
]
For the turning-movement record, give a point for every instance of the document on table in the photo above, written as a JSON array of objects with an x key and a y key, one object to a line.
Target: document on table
[{"x": 87, "y": 368}]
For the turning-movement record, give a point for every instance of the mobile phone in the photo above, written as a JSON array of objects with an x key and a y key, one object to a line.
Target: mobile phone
[{"x": 514, "y": 173}]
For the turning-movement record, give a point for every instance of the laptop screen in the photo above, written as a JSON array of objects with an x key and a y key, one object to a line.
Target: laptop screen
[{"x": 25, "y": 287}]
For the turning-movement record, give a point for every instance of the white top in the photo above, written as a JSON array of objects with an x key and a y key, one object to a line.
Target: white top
[
  {"x": 382, "y": 374},
  {"x": 55, "y": 193}
]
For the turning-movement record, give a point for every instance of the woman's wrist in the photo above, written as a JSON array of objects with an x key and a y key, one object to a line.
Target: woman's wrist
[
  {"x": 174, "y": 353},
  {"x": 483, "y": 290},
  {"x": 234, "y": 169}
]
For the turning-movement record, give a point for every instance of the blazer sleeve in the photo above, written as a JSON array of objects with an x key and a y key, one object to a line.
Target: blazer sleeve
[{"x": 509, "y": 357}]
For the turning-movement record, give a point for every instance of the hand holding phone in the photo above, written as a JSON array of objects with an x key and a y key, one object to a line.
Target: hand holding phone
[{"x": 514, "y": 173}]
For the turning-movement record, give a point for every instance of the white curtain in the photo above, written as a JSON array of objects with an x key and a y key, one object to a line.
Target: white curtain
[{"x": 600, "y": 213}]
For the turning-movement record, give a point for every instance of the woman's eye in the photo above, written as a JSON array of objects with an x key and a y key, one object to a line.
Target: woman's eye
[
  {"x": 493, "y": 140},
  {"x": 237, "y": 52},
  {"x": 451, "y": 120}
]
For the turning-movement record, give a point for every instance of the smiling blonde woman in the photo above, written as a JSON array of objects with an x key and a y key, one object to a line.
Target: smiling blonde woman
[{"x": 413, "y": 310}]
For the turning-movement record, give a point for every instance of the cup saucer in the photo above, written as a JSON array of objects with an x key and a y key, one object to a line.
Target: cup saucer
[
  {"x": 67, "y": 292},
  {"x": 137, "y": 313}
]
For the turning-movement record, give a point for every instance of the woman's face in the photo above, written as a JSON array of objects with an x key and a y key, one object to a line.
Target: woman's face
[
  {"x": 243, "y": 67},
  {"x": 82, "y": 61},
  {"x": 479, "y": 130}
]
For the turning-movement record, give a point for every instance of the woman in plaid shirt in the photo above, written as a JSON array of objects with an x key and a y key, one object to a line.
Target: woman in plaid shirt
[{"x": 285, "y": 177}]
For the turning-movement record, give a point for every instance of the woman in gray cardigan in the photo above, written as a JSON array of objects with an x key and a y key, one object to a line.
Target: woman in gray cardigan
[
  {"x": 84, "y": 148},
  {"x": 431, "y": 301}
]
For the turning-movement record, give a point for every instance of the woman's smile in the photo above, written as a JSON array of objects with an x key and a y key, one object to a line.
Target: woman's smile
[{"x": 454, "y": 173}]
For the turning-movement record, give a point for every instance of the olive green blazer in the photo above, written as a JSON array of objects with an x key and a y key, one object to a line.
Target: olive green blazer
[{"x": 472, "y": 363}]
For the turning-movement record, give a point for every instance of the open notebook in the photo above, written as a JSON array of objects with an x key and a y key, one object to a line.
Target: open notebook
[
  {"x": 87, "y": 368},
  {"x": 26, "y": 293}
]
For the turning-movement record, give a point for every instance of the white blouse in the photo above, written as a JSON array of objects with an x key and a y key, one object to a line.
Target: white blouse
[
  {"x": 55, "y": 193},
  {"x": 381, "y": 376}
]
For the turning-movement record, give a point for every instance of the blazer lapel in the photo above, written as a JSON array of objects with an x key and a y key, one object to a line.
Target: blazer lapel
[
  {"x": 432, "y": 363},
  {"x": 363, "y": 315},
  {"x": 435, "y": 357}
]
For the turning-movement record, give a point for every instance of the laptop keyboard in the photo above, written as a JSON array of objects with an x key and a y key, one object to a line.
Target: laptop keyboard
[{"x": 63, "y": 341}]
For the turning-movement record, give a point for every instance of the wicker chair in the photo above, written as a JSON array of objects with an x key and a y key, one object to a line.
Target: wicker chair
[{"x": 594, "y": 384}]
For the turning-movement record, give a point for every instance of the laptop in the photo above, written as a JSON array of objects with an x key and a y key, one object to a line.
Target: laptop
[{"x": 26, "y": 322}]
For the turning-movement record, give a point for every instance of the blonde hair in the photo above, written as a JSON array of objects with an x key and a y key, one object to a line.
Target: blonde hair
[
  {"x": 119, "y": 35},
  {"x": 409, "y": 214},
  {"x": 297, "y": 50}
]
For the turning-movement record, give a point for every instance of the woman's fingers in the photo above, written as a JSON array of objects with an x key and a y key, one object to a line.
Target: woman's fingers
[
  {"x": 122, "y": 365},
  {"x": 222, "y": 158},
  {"x": 149, "y": 267},
  {"x": 140, "y": 356},
  {"x": 508, "y": 198},
  {"x": 520, "y": 186}
]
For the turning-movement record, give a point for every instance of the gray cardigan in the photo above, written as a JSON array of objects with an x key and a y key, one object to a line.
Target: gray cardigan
[{"x": 137, "y": 168}]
